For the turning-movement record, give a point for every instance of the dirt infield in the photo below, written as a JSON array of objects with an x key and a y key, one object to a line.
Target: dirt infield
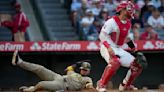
[
  {"x": 91, "y": 90},
  {"x": 153, "y": 90}
]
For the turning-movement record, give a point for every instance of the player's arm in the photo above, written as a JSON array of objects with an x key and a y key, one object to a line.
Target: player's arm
[
  {"x": 71, "y": 69},
  {"x": 89, "y": 83},
  {"x": 130, "y": 43},
  {"x": 105, "y": 36},
  {"x": 89, "y": 86}
]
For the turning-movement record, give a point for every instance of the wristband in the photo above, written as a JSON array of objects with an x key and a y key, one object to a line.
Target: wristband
[
  {"x": 131, "y": 44},
  {"x": 106, "y": 44}
]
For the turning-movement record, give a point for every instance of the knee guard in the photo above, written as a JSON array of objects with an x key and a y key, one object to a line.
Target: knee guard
[{"x": 110, "y": 69}]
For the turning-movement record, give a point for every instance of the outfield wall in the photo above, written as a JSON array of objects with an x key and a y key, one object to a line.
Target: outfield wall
[{"x": 13, "y": 77}]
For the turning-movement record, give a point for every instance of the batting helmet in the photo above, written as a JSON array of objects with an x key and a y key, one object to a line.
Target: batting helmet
[
  {"x": 85, "y": 66},
  {"x": 128, "y": 5}
]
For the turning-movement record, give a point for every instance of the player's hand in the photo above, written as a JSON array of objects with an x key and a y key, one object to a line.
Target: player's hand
[{"x": 89, "y": 85}]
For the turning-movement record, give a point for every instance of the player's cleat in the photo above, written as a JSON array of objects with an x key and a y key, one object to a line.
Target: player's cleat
[
  {"x": 16, "y": 58},
  {"x": 27, "y": 89},
  {"x": 21, "y": 89},
  {"x": 101, "y": 88},
  {"x": 123, "y": 87}
]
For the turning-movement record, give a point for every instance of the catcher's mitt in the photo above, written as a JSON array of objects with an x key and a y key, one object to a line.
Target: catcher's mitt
[{"x": 140, "y": 59}]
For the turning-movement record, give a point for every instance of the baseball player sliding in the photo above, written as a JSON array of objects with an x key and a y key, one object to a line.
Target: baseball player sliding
[{"x": 52, "y": 81}]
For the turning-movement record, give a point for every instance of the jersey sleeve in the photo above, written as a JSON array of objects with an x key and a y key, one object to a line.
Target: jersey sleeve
[
  {"x": 106, "y": 30},
  {"x": 107, "y": 27}
]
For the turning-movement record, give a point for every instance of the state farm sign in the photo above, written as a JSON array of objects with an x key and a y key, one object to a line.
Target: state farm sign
[
  {"x": 55, "y": 46},
  {"x": 153, "y": 45},
  {"x": 159, "y": 45},
  {"x": 73, "y": 46},
  {"x": 10, "y": 47}
]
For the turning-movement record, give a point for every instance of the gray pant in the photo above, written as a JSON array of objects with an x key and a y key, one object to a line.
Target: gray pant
[{"x": 51, "y": 80}]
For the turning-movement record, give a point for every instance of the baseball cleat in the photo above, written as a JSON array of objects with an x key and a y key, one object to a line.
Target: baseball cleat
[
  {"x": 15, "y": 58},
  {"x": 123, "y": 87},
  {"x": 27, "y": 89},
  {"x": 21, "y": 89},
  {"x": 101, "y": 88}
]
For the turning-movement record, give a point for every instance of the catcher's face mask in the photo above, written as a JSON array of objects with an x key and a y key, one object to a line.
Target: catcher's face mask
[{"x": 128, "y": 6}]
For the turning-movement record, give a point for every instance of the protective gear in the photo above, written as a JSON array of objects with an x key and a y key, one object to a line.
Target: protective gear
[
  {"x": 140, "y": 59},
  {"x": 131, "y": 44},
  {"x": 85, "y": 66},
  {"x": 128, "y": 5},
  {"x": 134, "y": 71},
  {"x": 110, "y": 69}
]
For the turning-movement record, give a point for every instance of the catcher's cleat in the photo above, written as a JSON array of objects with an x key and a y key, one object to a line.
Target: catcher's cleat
[
  {"x": 123, "y": 87},
  {"x": 16, "y": 58},
  {"x": 101, "y": 88}
]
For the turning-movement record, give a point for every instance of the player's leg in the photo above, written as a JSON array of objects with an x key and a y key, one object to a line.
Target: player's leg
[
  {"x": 127, "y": 60},
  {"x": 52, "y": 85},
  {"x": 104, "y": 53},
  {"x": 46, "y": 85},
  {"x": 42, "y": 72},
  {"x": 110, "y": 69}
]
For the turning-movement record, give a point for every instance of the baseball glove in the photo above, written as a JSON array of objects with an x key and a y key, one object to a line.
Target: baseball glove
[{"x": 140, "y": 59}]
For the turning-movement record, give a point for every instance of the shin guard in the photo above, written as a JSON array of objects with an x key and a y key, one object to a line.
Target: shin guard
[
  {"x": 110, "y": 69},
  {"x": 133, "y": 73}
]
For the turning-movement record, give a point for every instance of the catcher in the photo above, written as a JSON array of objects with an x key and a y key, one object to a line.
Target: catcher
[
  {"x": 112, "y": 36},
  {"x": 52, "y": 81}
]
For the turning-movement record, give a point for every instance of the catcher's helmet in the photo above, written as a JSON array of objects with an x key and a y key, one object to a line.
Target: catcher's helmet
[
  {"x": 128, "y": 5},
  {"x": 85, "y": 66}
]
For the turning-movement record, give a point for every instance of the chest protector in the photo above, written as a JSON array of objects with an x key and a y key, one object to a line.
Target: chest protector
[{"x": 121, "y": 32}]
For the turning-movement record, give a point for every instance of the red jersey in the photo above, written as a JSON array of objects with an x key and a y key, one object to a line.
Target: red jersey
[{"x": 20, "y": 22}]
